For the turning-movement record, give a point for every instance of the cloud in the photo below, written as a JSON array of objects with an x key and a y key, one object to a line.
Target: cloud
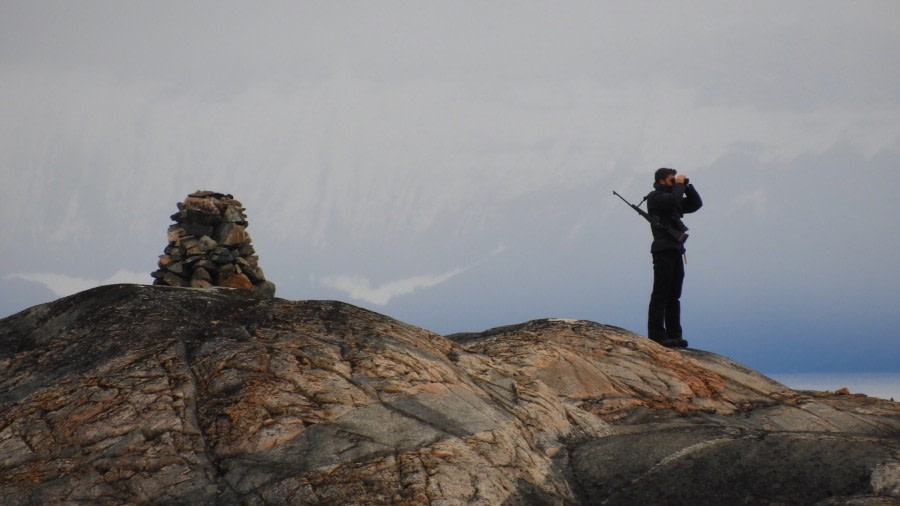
[
  {"x": 757, "y": 201},
  {"x": 62, "y": 285},
  {"x": 360, "y": 288}
]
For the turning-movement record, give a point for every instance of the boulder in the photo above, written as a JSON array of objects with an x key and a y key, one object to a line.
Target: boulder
[
  {"x": 264, "y": 288},
  {"x": 236, "y": 281},
  {"x": 128, "y": 394},
  {"x": 230, "y": 234},
  {"x": 201, "y": 204},
  {"x": 201, "y": 283},
  {"x": 201, "y": 273}
]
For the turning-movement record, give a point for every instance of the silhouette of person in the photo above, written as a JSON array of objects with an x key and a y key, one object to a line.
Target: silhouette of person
[{"x": 672, "y": 197}]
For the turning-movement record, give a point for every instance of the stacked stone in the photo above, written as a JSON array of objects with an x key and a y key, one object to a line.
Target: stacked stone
[{"x": 209, "y": 246}]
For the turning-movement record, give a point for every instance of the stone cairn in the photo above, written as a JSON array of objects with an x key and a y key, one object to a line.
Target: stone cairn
[{"x": 209, "y": 246}]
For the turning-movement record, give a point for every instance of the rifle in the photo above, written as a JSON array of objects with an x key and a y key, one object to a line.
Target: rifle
[{"x": 679, "y": 236}]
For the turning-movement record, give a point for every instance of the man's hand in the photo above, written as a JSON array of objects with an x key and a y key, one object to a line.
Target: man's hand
[{"x": 680, "y": 178}]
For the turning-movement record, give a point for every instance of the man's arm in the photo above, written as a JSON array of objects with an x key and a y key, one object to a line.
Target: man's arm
[
  {"x": 691, "y": 201},
  {"x": 666, "y": 202}
]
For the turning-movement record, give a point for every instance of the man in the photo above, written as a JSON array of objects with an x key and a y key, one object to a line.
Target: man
[{"x": 672, "y": 197}]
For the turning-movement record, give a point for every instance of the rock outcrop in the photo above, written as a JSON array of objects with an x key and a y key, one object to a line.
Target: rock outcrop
[
  {"x": 151, "y": 394},
  {"x": 209, "y": 246}
]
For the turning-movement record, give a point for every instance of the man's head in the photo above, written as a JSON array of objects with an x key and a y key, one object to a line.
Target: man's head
[{"x": 665, "y": 176}]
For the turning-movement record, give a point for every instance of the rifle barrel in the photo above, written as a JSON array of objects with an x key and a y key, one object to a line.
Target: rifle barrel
[{"x": 623, "y": 198}]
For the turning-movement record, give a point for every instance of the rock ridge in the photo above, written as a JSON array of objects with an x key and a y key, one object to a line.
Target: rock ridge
[{"x": 155, "y": 394}]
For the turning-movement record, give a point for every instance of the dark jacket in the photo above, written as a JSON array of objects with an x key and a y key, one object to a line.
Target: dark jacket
[{"x": 670, "y": 203}]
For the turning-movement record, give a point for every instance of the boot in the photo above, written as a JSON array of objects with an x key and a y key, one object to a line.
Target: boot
[{"x": 673, "y": 343}]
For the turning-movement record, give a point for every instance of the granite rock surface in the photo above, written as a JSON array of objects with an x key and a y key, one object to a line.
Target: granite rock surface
[{"x": 131, "y": 394}]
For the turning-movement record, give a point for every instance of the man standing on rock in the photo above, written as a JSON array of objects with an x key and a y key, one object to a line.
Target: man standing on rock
[{"x": 672, "y": 197}]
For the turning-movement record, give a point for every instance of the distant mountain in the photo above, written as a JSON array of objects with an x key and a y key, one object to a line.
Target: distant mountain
[
  {"x": 19, "y": 294},
  {"x": 143, "y": 394}
]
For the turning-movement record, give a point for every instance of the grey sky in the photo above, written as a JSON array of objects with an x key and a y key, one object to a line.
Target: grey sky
[{"x": 451, "y": 163}]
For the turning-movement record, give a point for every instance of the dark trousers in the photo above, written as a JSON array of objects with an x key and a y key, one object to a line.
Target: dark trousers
[{"x": 664, "y": 315}]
